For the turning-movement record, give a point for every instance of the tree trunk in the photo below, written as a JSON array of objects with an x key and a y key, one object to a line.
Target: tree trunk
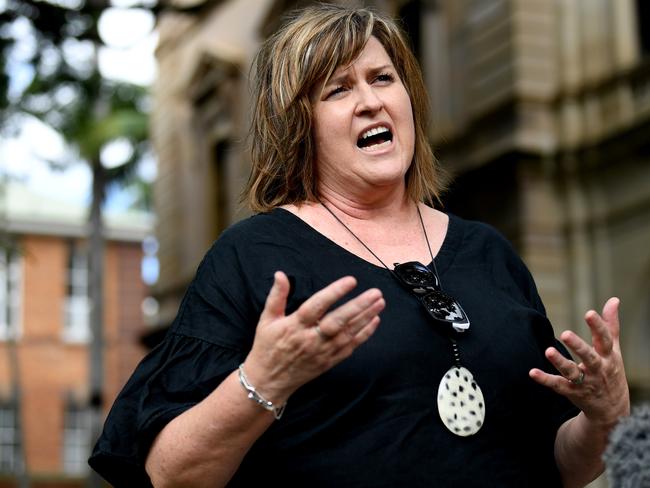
[{"x": 96, "y": 295}]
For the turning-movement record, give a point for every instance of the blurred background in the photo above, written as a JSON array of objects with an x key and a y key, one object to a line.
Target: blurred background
[{"x": 123, "y": 153}]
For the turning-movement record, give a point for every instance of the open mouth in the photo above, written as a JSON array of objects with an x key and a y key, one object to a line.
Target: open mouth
[{"x": 375, "y": 138}]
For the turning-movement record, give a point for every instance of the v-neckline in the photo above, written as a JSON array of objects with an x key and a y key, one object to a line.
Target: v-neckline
[{"x": 443, "y": 258}]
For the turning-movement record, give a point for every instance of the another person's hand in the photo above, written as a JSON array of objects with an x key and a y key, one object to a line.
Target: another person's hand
[
  {"x": 290, "y": 350},
  {"x": 597, "y": 385}
]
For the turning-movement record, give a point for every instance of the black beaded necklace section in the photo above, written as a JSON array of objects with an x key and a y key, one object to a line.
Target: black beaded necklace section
[{"x": 461, "y": 405}]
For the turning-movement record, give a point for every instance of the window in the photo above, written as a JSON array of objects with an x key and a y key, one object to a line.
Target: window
[
  {"x": 77, "y": 304},
  {"x": 8, "y": 439},
  {"x": 76, "y": 439},
  {"x": 10, "y": 271}
]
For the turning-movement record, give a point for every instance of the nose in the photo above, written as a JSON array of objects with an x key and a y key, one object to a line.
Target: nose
[{"x": 368, "y": 100}]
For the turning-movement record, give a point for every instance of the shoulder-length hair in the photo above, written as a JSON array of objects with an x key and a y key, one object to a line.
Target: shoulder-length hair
[{"x": 306, "y": 50}]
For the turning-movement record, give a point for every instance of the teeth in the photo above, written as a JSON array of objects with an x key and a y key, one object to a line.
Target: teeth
[
  {"x": 375, "y": 131},
  {"x": 374, "y": 147}
]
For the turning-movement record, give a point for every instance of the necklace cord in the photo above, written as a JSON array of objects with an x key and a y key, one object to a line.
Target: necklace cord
[
  {"x": 426, "y": 238},
  {"x": 353, "y": 234},
  {"x": 424, "y": 231},
  {"x": 454, "y": 344},
  {"x": 443, "y": 410}
]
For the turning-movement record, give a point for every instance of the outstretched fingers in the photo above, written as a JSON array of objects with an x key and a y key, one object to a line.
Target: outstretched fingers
[
  {"x": 276, "y": 300},
  {"x": 353, "y": 315},
  {"x": 590, "y": 358},
  {"x": 597, "y": 385},
  {"x": 311, "y": 311},
  {"x": 605, "y": 329},
  {"x": 347, "y": 344},
  {"x": 567, "y": 368},
  {"x": 368, "y": 311},
  {"x": 552, "y": 381},
  {"x": 291, "y": 350}
]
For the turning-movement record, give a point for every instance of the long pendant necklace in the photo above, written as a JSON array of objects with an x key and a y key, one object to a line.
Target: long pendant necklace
[{"x": 461, "y": 405}]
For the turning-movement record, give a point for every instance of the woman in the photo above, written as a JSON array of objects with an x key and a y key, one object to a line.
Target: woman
[{"x": 300, "y": 385}]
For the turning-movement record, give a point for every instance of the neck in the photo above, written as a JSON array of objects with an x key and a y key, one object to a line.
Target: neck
[
  {"x": 376, "y": 206},
  {"x": 419, "y": 214}
]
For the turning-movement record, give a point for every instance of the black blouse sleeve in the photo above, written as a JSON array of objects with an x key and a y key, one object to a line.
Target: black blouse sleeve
[
  {"x": 558, "y": 408},
  {"x": 209, "y": 338}
]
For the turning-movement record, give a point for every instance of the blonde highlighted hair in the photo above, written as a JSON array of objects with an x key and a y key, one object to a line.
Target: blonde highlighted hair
[{"x": 308, "y": 49}]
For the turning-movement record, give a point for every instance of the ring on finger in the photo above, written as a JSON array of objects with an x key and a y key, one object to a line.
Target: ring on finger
[
  {"x": 322, "y": 334},
  {"x": 580, "y": 379}
]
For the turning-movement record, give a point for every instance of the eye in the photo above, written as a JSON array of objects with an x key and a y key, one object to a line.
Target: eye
[
  {"x": 335, "y": 91},
  {"x": 385, "y": 78}
]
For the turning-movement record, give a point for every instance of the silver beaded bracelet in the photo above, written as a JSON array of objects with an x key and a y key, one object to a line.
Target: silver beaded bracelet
[{"x": 257, "y": 398}]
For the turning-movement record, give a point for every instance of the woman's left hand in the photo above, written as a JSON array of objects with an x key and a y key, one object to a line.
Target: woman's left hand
[{"x": 597, "y": 385}]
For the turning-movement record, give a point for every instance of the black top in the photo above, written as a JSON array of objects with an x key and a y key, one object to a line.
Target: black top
[{"x": 371, "y": 421}]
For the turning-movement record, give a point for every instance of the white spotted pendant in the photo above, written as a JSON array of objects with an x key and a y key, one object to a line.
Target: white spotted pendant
[{"x": 460, "y": 402}]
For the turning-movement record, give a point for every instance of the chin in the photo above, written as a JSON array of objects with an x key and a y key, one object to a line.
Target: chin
[{"x": 386, "y": 179}]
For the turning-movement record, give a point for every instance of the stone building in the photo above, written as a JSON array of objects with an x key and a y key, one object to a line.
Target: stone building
[
  {"x": 45, "y": 332},
  {"x": 541, "y": 111}
]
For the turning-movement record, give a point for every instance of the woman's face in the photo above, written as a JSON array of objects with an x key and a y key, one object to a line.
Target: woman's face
[{"x": 363, "y": 126}]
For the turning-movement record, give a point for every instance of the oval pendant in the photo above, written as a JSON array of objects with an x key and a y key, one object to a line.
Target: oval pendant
[{"x": 460, "y": 402}]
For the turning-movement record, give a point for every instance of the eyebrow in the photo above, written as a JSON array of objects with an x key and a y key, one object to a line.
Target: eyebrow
[{"x": 373, "y": 71}]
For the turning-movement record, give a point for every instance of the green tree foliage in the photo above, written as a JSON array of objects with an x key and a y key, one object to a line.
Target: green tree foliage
[{"x": 56, "y": 43}]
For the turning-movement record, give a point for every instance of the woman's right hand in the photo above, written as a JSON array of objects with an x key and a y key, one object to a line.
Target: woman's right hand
[
  {"x": 205, "y": 445},
  {"x": 289, "y": 350}
]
